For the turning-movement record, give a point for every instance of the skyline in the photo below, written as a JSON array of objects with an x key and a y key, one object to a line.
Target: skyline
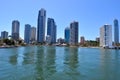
[{"x": 91, "y": 15}]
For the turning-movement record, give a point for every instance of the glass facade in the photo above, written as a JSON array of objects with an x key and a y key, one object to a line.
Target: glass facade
[
  {"x": 33, "y": 34},
  {"x": 67, "y": 35},
  {"x": 4, "y": 35},
  {"x": 116, "y": 32},
  {"x": 74, "y": 33},
  {"x": 27, "y": 34},
  {"x": 15, "y": 29},
  {"x": 41, "y": 26},
  {"x": 51, "y": 29}
]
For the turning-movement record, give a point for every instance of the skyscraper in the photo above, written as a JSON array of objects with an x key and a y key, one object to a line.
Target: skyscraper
[
  {"x": 74, "y": 32},
  {"x": 106, "y": 36},
  {"x": 15, "y": 29},
  {"x": 67, "y": 35},
  {"x": 41, "y": 26},
  {"x": 116, "y": 32},
  {"x": 51, "y": 29},
  {"x": 33, "y": 34},
  {"x": 27, "y": 33},
  {"x": 4, "y": 35}
]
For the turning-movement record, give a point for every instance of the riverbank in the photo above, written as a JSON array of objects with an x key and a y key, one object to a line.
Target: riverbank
[
  {"x": 14, "y": 46},
  {"x": 7, "y": 46}
]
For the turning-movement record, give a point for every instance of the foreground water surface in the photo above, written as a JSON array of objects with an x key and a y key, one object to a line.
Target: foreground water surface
[{"x": 59, "y": 63}]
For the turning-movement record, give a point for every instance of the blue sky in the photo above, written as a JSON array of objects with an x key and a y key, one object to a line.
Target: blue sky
[{"x": 91, "y": 14}]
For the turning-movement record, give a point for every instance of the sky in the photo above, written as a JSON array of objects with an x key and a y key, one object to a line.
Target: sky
[{"x": 91, "y": 14}]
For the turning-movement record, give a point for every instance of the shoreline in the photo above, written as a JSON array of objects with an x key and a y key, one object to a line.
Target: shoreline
[
  {"x": 15, "y": 46},
  {"x": 7, "y": 46}
]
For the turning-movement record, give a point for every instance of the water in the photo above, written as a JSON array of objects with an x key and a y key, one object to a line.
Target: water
[{"x": 59, "y": 63}]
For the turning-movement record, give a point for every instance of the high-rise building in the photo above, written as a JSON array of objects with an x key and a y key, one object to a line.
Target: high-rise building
[
  {"x": 51, "y": 29},
  {"x": 106, "y": 36},
  {"x": 4, "y": 35},
  {"x": 82, "y": 40},
  {"x": 116, "y": 32},
  {"x": 41, "y": 26},
  {"x": 74, "y": 32},
  {"x": 67, "y": 35},
  {"x": 27, "y": 33},
  {"x": 15, "y": 29},
  {"x": 33, "y": 34}
]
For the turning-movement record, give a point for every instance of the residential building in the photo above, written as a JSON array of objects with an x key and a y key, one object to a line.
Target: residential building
[
  {"x": 27, "y": 33},
  {"x": 116, "y": 32},
  {"x": 33, "y": 34},
  {"x": 74, "y": 32},
  {"x": 51, "y": 29},
  {"x": 15, "y": 29},
  {"x": 67, "y": 35},
  {"x": 41, "y": 26},
  {"x": 106, "y": 36},
  {"x": 4, "y": 35}
]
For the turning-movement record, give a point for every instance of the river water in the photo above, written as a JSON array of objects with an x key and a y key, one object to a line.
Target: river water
[{"x": 59, "y": 63}]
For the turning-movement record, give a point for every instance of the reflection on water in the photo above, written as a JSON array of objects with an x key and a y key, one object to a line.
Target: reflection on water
[
  {"x": 110, "y": 64},
  {"x": 22, "y": 56},
  {"x": 40, "y": 63},
  {"x": 45, "y": 62},
  {"x": 71, "y": 63},
  {"x": 50, "y": 67},
  {"x": 72, "y": 58},
  {"x": 13, "y": 59},
  {"x": 59, "y": 63}
]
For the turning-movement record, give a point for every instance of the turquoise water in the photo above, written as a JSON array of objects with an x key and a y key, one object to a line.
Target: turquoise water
[{"x": 59, "y": 63}]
